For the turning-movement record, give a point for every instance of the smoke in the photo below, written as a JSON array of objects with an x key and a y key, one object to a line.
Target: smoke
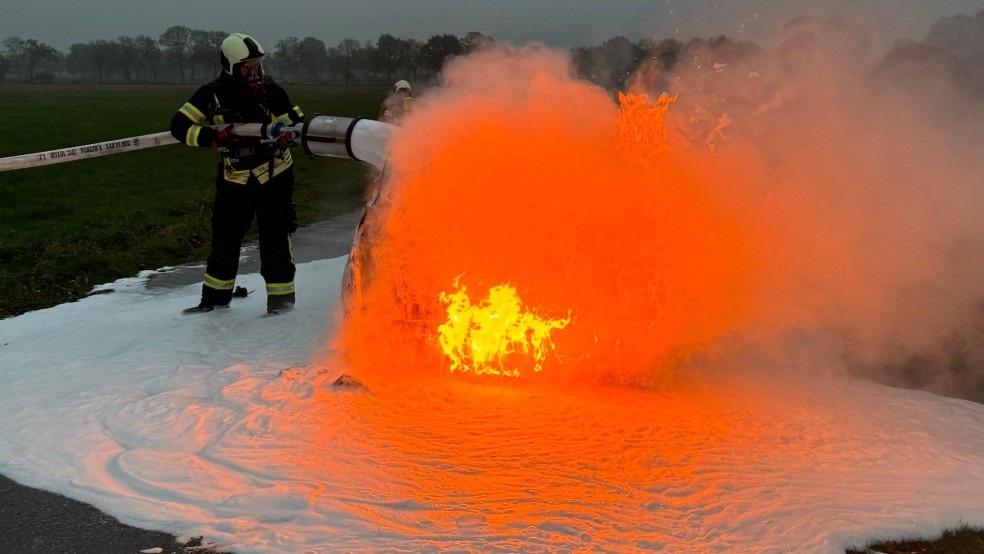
[
  {"x": 860, "y": 171},
  {"x": 510, "y": 173},
  {"x": 817, "y": 208}
]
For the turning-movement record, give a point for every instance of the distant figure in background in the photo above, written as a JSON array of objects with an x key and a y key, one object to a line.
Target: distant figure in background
[
  {"x": 255, "y": 179},
  {"x": 397, "y": 105}
]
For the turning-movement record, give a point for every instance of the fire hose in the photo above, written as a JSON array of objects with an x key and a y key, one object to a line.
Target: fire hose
[{"x": 321, "y": 135}]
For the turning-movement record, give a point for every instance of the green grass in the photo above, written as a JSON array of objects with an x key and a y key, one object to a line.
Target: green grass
[
  {"x": 67, "y": 227},
  {"x": 963, "y": 540}
]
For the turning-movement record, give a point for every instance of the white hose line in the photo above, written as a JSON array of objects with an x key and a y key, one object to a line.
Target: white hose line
[
  {"x": 340, "y": 137},
  {"x": 87, "y": 151}
]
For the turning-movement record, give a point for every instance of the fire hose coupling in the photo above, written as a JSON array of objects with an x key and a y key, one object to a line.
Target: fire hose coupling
[
  {"x": 275, "y": 130},
  {"x": 282, "y": 134}
]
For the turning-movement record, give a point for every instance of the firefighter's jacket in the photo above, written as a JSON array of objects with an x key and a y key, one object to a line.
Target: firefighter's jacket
[
  {"x": 224, "y": 101},
  {"x": 395, "y": 108}
]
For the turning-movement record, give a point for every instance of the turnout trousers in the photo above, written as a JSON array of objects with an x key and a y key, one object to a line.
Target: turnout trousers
[{"x": 235, "y": 207}]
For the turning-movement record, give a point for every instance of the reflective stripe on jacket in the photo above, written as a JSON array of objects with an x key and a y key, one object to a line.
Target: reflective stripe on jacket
[{"x": 222, "y": 102}]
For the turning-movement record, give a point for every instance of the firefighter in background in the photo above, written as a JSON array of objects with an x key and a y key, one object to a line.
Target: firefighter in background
[
  {"x": 254, "y": 178},
  {"x": 397, "y": 105}
]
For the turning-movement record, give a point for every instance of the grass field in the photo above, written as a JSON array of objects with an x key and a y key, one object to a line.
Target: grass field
[{"x": 67, "y": 227}]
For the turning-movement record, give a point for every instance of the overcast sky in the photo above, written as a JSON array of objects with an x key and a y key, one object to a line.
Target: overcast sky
[{"x": 61, "y": 23}]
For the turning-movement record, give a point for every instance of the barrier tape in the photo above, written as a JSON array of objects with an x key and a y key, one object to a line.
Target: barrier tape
[{"x": 87, "y": 151}]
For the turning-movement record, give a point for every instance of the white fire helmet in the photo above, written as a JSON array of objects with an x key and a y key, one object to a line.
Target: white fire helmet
[
  {"x": 401, "y": 85},
  {"x": 238, "y": 49}
]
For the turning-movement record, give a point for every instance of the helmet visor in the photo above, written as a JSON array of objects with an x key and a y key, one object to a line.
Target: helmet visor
[{"x": 251, "y": 71}]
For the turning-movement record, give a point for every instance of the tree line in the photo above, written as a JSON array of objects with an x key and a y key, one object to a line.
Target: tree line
[{"x": 181, "y": 55}]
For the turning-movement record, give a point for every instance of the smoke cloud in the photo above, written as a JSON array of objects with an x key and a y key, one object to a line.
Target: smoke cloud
[
  {"x": 861, "y": 173},
  {"x": 816, "y": 207}
]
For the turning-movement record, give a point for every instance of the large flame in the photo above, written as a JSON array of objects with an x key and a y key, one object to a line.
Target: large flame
[
  {"x": 513, "y": 172},
  {"x": 497, "y": 335}
]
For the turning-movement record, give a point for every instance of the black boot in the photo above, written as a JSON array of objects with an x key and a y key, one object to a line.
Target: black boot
[
  {"x": 203, "y": 307},
  {"x": 211, "y": 299},
  {"x": 280, "y": 303}
]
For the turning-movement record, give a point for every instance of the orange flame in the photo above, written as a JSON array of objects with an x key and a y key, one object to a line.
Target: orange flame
[
  {"x": 479, "y": 337},
  {"x": 642, "y": 127},
  {"x": 482, "y": 337},
  {"x": 515, "y": 173}
]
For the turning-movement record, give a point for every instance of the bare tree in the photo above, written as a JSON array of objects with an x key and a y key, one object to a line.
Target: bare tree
[
  {"x": 288, "y": 57},
  {"x": 364, "y": 57},
  {"x": 313, "y": 58},
  {"x": 100, "y": 53},
  {"x": 389, "y": 54},
  {"x": 149, "y": 57},
  {"x": 204, "y": 51},
  {"x": 30, "y": 57},
  {"x": 95, "y": 61},
  {"x": 176, "y": 43},
  {"x": 343, "y": 58},
  {"x": 77, "y": 60},
  {"x": 126, "y": 57},
  {"x": 395, "y": 55},
  {"x": 475, "y": 40},
  {"x": 414, "y": 47},
  {"x": 439, "y": 48}
]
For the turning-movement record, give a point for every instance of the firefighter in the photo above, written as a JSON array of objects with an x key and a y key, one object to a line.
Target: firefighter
[
  {"x": 397, "y": 105},
  {"x": 255, "y": 179}
]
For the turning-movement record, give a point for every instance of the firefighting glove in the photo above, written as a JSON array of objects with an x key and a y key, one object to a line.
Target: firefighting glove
[
  {"x": 224, "y": 140},
  {"x": 286, "y": 140}
]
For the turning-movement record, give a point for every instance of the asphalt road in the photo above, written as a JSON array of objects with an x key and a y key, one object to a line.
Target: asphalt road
[
  {"x": 322, "y": 241},
  {"x": 37, "y": 521}
]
